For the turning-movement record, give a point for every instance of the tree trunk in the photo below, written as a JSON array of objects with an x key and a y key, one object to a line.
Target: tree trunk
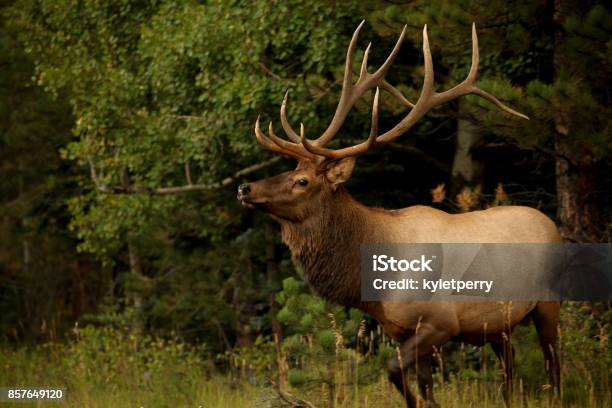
[
  {"x": 244, "y": 309},
  {"x": 136, "y": 270},
  {"x": 78, "y": 291},
  {"x": 277, "y": 330},
  {"x": 467, "y": 171},
  {"x": 134, "y": 258},
  {"x": 577, "y": 207}
]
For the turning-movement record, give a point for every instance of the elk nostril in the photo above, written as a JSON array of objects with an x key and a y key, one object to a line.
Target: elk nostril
[{"x": 244, "y": 190}]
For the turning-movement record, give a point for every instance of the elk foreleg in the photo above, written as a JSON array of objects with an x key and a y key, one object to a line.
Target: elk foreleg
[
  {"x": 416, "y": 350},
  {"x": 426, "y": 380}
]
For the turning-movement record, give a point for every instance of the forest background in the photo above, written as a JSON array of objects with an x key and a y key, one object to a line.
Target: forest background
[{"x": 126, "y": 126}]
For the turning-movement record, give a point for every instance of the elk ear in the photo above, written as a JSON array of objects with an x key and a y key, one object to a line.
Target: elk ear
[{"x": 338, "y": 171}]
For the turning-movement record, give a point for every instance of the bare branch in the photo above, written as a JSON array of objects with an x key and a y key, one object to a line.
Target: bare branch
[
  {"x": 131, "y": 189},
  {"x": 188, "y": 173},
  {"x": 416, "y": 152},
  {"x": 290, "y": 399},
  {"x": 185, "y": 117},
  {"x": 92, "y": 173},
  {"x": 268, "y": 71},
  {"x": 438, "y": 164}
]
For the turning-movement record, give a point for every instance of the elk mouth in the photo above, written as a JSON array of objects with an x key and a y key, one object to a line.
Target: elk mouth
[
  {"x": 252, "y": 203},
  {"x": 247, "y": 199},
  {"x": 247, "y": 204}
]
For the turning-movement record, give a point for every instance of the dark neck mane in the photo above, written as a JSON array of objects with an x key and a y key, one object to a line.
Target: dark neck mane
[{"x": 327, "y": 247}]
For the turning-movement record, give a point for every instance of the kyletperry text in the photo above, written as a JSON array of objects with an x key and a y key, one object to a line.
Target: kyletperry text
[{"x": 385, "y": 263}]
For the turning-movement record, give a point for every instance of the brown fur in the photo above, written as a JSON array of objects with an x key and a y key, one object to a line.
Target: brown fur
[{"x": 328, "y": 255}]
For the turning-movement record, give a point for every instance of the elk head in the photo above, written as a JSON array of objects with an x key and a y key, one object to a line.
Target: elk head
[{"x": 296, "y": 195}]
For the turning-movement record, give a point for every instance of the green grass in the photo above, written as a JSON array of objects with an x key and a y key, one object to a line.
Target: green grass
[
  {"x": 173, "y": 387},
  {"x": 209, "y": 392},
  {"x": 107, "y": 369},
  {"x": 104, "y": 367}
]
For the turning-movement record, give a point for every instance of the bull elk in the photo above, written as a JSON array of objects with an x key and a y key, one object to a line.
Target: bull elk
[{"x": 324, "y": 227}]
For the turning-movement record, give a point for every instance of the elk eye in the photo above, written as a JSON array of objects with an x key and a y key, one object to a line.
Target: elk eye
[{"x": 302, "y": 182}]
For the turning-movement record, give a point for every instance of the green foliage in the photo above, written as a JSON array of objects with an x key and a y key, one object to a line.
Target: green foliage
[
  {"x": 137, "y": 91},
  {"x": 104, "y": 366},
  {"x": 327, "y": 344},
  {"x": 586, "y": 352},
  {"x": 38, "y": 260},
  {"x": 258, "y": 361},
  {"x": 154, "y": 87},
  {"x": 517, "y": 47},
  {"x": 102, "y": 352}
]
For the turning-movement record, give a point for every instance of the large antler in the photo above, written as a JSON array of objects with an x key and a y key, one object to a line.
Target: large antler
[{"x": 428, "y": 99}]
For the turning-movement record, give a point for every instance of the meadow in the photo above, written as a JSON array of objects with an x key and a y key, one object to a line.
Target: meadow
[{"x": 122, "y": 367}]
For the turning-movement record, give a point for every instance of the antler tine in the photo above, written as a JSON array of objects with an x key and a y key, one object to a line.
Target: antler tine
[
  {"x": 468, "y": 85},
  {"x": 351, "y": 150},
  {"x": 428, "y": 79},
  {"x": 268, "y": 144},
  {"x": 346, "y": 86},
  {"x": 383, "y": 69},
  {"x": 285, "y": 123},
  {"x": 284, "y": 144},
  {"x": 374, "y": 125},
  {"x": 344, "y": 104},
  {"x": 364, "y": 63},
  {"x": 380, "y": 72},
  {"x": 396, "y": 93},
  {"x": 475, "y": 56},
  {"x": 351, "y": 93},
  {"x": 498, "y": 103},
  {"x": 429, "y": 99},
  {"x": 348, "y": 65}
]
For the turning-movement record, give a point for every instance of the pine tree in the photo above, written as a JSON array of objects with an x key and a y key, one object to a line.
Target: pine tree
[
  {"x": 581, "y": 116},
  {"x": 44, "y": 284},
  {"x": 547, "y": 59},
  {"x": 328, "y": 349}
]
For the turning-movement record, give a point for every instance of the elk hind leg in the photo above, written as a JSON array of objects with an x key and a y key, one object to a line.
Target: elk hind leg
[
  {"x": 505, "y": 353},
  {"x": 546, "y": 320}
]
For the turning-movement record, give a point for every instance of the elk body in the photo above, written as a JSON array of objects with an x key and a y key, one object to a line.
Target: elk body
[{"x": 324, "y": 228}]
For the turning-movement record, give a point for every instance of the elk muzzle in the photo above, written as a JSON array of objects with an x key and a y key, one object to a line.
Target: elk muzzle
[
  {"x": 243, "y": 195},
  {"x": 243, "y": 191},
  {"x": 249, "y": 197}
]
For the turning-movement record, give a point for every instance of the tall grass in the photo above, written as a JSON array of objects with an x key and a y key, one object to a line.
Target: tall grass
[{"x": 105, "y": 367}]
